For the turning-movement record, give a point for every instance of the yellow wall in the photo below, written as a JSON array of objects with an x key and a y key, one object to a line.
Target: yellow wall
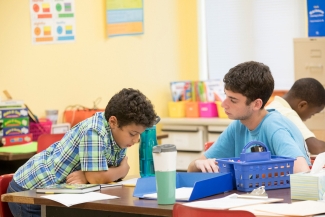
[{"x": 58, "y": 75}]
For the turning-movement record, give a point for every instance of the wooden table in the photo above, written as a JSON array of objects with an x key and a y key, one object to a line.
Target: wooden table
[
  {"x": 162, "y": 136},
  {"x": 12, "y": 157},
  {"x": 18, "y": 152},
  {"x": 125, "y": 206}
]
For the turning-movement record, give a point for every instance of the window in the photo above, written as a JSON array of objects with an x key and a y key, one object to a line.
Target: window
[{"x": 235, "y": 31}]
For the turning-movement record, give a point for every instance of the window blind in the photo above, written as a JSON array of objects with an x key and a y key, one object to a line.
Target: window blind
[{"x": 259, "y": 30}]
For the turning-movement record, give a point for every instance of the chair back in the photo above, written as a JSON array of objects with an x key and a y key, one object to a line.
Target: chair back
[
  {"x": 45, "y": 140},
  {"x": 4, "y": 182},
  {"x": 207, "y": 145},
  {"x": 182, "y": 210}
]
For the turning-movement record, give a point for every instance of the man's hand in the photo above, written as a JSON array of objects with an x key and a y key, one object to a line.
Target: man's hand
[
  {"x": 77, "y": 177},
  {"x": 207, "y": 165}
]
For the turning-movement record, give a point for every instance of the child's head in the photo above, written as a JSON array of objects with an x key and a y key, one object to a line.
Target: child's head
[
  {"x": 129, "y": 113},
  {"x": 251, "y": 79},
  {"x": 309, "y": 95}
]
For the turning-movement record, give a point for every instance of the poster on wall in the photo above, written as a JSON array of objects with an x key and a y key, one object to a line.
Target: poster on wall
[
  {"x": 52, "y": 21},
  {"x": 124, "y": 17},
  {"x": 316, "y": 24}
]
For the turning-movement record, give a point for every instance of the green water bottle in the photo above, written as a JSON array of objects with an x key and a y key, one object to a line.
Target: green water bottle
[{"x": 148, "y": 139}]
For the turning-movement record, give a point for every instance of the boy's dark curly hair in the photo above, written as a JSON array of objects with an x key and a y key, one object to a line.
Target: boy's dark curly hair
[
  {"x": 251, "y": 79},
  {"x": 131, "y": 106}
]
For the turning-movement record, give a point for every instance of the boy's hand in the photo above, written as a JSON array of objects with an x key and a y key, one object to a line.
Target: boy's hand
[
  {"x": 77, "y": 177},
  {"x": 125, "y": 166}
]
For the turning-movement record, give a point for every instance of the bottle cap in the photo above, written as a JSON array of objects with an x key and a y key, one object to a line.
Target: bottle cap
[{"x": 164, "y": 148}]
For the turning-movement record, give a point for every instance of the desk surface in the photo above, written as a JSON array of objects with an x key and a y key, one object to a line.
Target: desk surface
[
  {"x": 18, "y": 152},
  {"x": 125, "y": 204}
]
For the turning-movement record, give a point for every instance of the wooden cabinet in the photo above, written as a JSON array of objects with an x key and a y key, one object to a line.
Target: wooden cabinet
[
  {"x": 309, "y": 61},
  {"x": 190, "y": 134}
]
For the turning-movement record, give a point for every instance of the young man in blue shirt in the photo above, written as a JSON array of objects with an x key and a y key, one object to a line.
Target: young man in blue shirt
[
  {"x": 93, "y": 151},
  {"x": 248, "y": 86}
]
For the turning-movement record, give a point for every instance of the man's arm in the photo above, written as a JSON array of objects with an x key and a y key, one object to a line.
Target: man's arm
[
  {"x": 110, "y": 175},
  {"x": 315, "y": 146},
  {"x": 300, "y": 165},
  {"x": 202, "y": 164}
]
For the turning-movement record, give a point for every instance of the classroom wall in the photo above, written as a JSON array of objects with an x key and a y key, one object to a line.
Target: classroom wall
[{"x": 55, "y": 76}]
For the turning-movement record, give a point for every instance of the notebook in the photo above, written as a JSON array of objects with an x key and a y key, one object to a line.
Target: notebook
[{"x": 68, "y": 188}]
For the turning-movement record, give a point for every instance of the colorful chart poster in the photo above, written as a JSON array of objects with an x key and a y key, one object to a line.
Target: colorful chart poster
[
  {"x": 124, "y": 17},
  {"x": 53, "y": 21}
]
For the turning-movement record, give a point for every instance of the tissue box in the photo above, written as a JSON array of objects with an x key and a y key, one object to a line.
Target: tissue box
[{"x": 306, "y": 186}]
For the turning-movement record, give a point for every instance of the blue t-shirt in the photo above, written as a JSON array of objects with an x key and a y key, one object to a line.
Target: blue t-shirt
[{"x": 278, "y": 133}]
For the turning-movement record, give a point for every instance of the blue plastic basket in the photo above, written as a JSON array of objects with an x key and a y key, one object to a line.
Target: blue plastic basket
[{"x": 255, "y": 169}]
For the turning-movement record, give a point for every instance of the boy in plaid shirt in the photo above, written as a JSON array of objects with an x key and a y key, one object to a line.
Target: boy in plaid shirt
[{"x": 93, "y": 151}]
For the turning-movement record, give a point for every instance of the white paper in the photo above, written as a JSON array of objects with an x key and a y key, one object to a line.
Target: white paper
[
  {"x": 301, "y": 208},
  {"x": 183, "y": 193},
  {"x": 129, "y": 182},
  {"x": 318, "y": 163},
  {"x": 73, "y": 199},
  {"x": 228, "y": 202},
  {"x": 253, "y": 209}
]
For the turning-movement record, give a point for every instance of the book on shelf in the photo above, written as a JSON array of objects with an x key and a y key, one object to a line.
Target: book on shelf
[{"x": 68, "y": 188}]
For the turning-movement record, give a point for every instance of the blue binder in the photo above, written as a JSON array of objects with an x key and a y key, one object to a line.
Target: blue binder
[{"x": 204, "y": 184}]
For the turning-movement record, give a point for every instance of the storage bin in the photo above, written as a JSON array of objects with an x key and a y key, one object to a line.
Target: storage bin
[
  {"x": 208, "y": 109},
  {"x": 221, "y": 111},
  {"x": 192, "y": 109},
  {"x": 254, "y": 169},
  {"x": 176, "y": 109},
  {"x": 37, "y": 129}
]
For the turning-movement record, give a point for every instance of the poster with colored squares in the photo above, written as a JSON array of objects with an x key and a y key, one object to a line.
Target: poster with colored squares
[
  {"x": 124, "y": 17},
  {"x": 53, "y": 21}
]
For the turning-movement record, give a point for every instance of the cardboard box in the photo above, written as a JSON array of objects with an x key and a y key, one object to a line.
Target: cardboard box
[
  {"x": 16, "y": 140},
  {"x": 204, "y": 184},
  {"x": 12, "y": 131},
  {"x": 13, "y": 113},
  {"x": 306, "y": 186},
  {"x": 15, "y": 122}
]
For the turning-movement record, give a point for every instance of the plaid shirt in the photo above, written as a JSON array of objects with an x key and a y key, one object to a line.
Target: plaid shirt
[{"x": 88, "y": 146}]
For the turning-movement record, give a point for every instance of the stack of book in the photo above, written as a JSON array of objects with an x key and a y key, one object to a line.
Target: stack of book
[
  {"x": 14, "y": 123},
  {"x": 68, "y": 188},
  {"x": 198, "y": 91}
]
